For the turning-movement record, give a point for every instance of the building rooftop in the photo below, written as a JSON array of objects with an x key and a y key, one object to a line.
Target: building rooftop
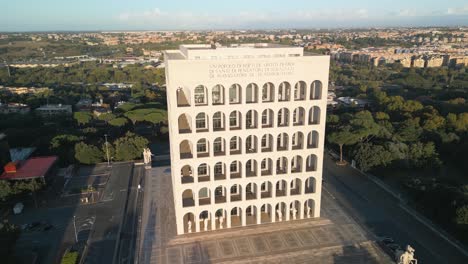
[
  {"x": 54, "y": 107},
  {"x": 21, "y": 153},
  {"x": 32, "y": 168},
  {"x": 234, "y": 51}
]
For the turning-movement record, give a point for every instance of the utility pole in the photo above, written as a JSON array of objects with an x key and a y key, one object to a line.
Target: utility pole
[
  {"x": 74, "y": 227},
  {"x": 107, "y": 151}
]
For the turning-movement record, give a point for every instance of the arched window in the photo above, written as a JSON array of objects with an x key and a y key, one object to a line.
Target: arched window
[
  {"x": 185, "y": 149},
  {"x": 284, "y": 92},
  {"x": 316, "y": 90},
  {"x": 183, "y": 97},
  {"x": 201, "y": 97},
  {"x": 300, "y": 91},
  {"x": 235, "y": 94},
  {"x": 218, "y": 121},
  {"x": 202, "y": 148},
  {"x": 218, "y": 94},
  {"x": 283, "y": 117},
  {"x": 314, "y": 115},
  {"x": 201, "y": 122},
  {"x": 185, "y": 124},
  {"x": 251, "y": 93},
  {"x": 268, "y": 92},
  {"x": 235, "y": 120}
]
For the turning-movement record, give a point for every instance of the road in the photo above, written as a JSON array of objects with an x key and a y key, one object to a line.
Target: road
[
  {"x": 127, "y": 244},
  {"x": 383, "y": 214},
  {"x": 109, "y": 214}
]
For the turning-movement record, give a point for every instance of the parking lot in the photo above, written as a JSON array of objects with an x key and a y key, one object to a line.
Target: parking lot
[{"x": 50, "y": 228}]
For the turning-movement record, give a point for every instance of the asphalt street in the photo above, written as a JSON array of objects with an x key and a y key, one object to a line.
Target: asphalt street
[
  {"x": 128, "y": 234},
  {"x": 108, "y": 215},
  {"x": 382, "y": 214}
]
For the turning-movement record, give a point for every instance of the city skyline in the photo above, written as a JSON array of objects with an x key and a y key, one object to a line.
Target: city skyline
[{"x": 52, "y": 15}]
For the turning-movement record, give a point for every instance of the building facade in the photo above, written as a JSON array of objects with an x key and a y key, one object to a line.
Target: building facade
[
  {"x": 246, "y": 126},
  {"x": 54, "y": 110}
]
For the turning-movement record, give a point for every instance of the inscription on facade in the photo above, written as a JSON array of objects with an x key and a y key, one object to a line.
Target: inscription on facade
[{"x": 251, "y": 70}]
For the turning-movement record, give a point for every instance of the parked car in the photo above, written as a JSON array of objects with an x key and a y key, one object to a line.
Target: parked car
[
  {"x": 387, "y": 240},
  {"x": 18, "y": 208}
]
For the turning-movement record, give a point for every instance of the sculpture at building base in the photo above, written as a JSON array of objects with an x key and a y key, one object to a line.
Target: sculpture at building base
[
  {"x": 147, "y": 156},
  {"x": 294, "y": 212},
  {"x": 205, "y": 223},
  {"x": 221, "y": 220},
  {"x": 407, "y": 257},
  {"x": 189, "y": 226}
]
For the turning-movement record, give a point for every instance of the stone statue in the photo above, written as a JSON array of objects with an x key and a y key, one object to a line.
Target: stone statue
[
  {"x": 221, "y": 220},
  {"x": 308, "y": 211},
  {"x": 407, "y": 257},
  {"x": 189, "y": 226},
  {"x": 147, "y": 156},
  {"x": 205, "y": 222},
  {"x": 294, "y": 212},
  {"x": 280, "y": 215}
]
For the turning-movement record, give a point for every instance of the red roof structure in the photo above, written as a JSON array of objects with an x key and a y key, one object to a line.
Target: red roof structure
[{"x": 29, "y": 169}]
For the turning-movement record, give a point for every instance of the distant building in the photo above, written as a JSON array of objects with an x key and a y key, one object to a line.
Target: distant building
[
  {"x": 25, "y": 90},
  {"x": 118, "y": 86},
  {"x": 405, "y": 62},
  {"x": 418, "y": 62},
  {"x": 17, "y": 154},
  {"x": 349, "y": 101},
  {"x": 33, "y": 168},
  {"x": 54, "y": 110},
  {"x": 14, "y": 108},
  {"x": 458, "y": 61},
  {"x": 434, "y": 61},
  {"x": 97, "y": 111}
]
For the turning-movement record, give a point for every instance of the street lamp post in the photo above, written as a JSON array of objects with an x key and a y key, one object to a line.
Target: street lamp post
[
  {"x": 107, "y": 151},
  {"x": 74, "y": 228}
]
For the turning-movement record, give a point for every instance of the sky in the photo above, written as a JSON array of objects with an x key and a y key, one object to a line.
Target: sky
[{"x": 95, "y": 15}]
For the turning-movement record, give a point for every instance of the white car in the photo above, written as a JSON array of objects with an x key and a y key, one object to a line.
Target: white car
[{"x": 18, "y": 208}]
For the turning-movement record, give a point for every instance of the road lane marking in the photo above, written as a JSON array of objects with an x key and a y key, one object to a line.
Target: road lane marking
[
  {"x": 420, "y": 219},
  {"x": 329, "y": 193}
]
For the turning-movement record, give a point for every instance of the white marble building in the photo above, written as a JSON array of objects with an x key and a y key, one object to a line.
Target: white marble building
[{"x": 246, "y": 127}]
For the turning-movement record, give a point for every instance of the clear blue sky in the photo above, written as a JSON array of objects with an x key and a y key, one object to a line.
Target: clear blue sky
[{"x": 45, "y": 15}]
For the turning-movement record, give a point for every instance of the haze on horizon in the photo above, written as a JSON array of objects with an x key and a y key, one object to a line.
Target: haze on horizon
[{"x": 94, "y": 15}]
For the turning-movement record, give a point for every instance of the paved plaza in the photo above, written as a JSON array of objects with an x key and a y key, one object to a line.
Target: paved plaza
[{"x": 333, "y": 238}]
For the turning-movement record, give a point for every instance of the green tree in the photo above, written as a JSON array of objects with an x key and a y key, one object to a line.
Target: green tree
[
  {"x": 118, "y": 122},
  {"x": 333, "y": 119},
  {"x": 423, "y": 154},
  {"x": 87, "y": 154},
  {"x": 368, "y": 156},
  {"x": 461, "y": 215},
  {"x": 364, "y": 126},
  {"x": 106, "y": 117},
  {"x": 5, "y": 190},
  {"x": 135, "y": 116},
  {"x": 458, "y": 122},
  {"x": 129, "y": 147},
  {"x": 63, "y": 146},
  {"x": 342, "y": 137},
  {"x": 409, "y": 130},
  {"x": 156, "y": 117},
  {"x": 82, "y": 118},
  {"x": 382, "y": 116}
]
